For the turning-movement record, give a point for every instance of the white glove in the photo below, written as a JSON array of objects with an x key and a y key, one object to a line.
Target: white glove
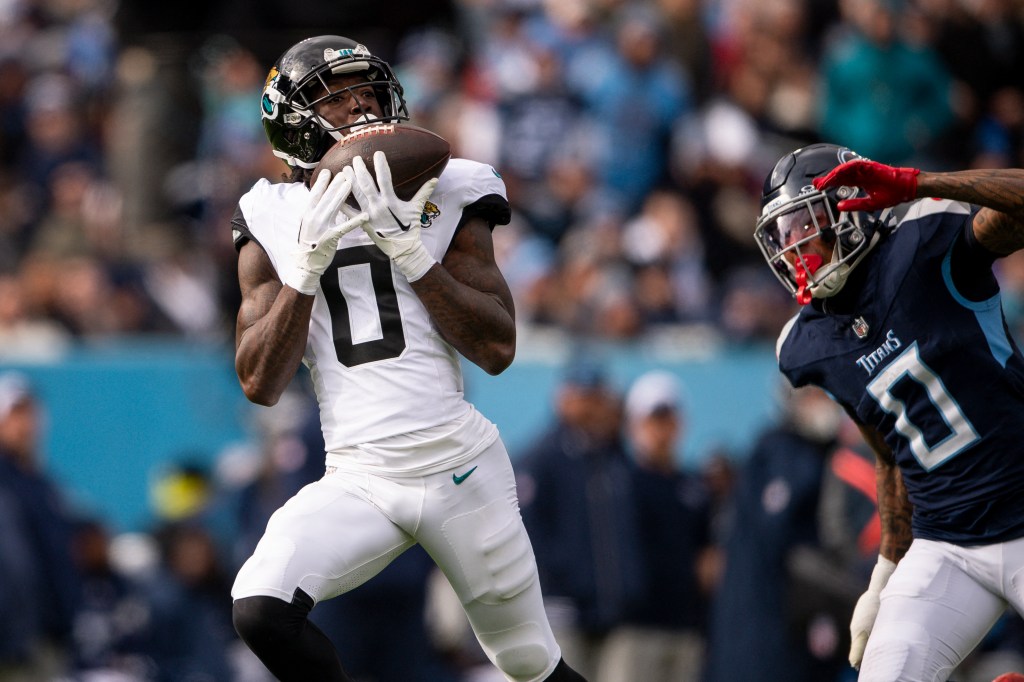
[
  {"x": 393, "y": 224},
  {"x": 325, "y": 220},
  {"x": 866, "y": 611}
]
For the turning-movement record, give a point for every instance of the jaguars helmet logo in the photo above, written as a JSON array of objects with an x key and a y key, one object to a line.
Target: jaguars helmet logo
[
  {"x": 271, "y": 95},
  {"x": 430, "y": 212}
]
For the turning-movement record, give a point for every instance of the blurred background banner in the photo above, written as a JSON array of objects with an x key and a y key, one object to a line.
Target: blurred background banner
[{"x": 108, "y": 425}]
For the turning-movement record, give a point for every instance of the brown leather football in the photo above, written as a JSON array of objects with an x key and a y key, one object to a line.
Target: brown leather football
[{"x": 414, "y": 154}]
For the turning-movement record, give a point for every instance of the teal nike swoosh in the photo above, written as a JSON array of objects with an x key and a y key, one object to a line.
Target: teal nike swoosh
[{"x": 459, "y": 479}]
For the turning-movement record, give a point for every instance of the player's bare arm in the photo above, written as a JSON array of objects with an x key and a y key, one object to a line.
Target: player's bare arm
[
  {"x": 271, "y": 329},
  {"x": 469, "y": 300},
  {"x": 894, "y": 506},
  {"x": 999, "y": 226}
]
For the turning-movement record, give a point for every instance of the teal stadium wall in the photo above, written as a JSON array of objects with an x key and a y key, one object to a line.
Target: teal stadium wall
[{"x": 117, "y": 413}]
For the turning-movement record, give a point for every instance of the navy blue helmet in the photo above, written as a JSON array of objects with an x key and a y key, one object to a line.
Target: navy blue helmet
[{"x": 794, "y": 213}]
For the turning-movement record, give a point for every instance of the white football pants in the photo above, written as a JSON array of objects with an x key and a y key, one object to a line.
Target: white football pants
[
  {"x": 938, "y": 605},
  {"x": 337, "y": 533}
]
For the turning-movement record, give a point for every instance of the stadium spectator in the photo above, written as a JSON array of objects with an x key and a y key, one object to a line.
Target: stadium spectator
[
  {"x": 904, "y": 328},
  {"x": 663, "y": 245},
  {"x": 575, "y": 484},
  {"x": 688, "y": 43},
  {"x": 754, "y": 78},
  {"x": 882, "y": 95},
  {"x": 45, "y": 584},
  {"x": 663, "y": 638},
  {"x": 982, "y": 46},
  {"x": 542, "y": 129},
  {"x": 635, "y": 70},
  {"x": 24, "y": 336},
  {"x": 190, "y": 633},
  {"x": 112, "y": 622},
  {"x": 756, "y": 633},
  {"x": 56, "y": 134}
]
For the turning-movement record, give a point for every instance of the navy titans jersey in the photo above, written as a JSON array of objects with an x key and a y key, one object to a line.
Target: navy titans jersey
[{"x": 937, "y": 374}]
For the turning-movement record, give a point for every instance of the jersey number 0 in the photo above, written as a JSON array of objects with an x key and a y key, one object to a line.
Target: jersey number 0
[
  {"x": 365, "y": 318},
  {"x": 960, "y": 433}
]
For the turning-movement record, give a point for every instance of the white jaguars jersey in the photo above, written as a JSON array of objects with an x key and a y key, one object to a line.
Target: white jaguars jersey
[{"x": 379, "y": 366}]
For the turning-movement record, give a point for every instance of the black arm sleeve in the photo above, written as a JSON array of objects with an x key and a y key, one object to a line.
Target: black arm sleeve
[
  {"x": 971, "y": 266},
  {"x": 240, "y": 233},
  {"x": 493, "y": 208}
]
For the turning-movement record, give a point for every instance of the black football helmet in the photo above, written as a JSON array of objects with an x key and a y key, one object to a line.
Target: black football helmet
[
  {"x": 793, "y": 213},
  {"x": 298, "y": 81}
]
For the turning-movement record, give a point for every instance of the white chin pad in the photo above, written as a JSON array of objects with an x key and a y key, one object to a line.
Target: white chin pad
[{"x": 832, "y": 282}]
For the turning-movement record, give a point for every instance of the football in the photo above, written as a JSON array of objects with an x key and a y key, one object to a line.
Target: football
[{"x": 414, "y": 154}]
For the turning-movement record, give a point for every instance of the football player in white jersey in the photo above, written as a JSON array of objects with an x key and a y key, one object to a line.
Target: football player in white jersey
[{"x": 378, "y": 302}]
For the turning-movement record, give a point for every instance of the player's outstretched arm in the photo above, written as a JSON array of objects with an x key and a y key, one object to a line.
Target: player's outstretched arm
[
  {"x": 999, "y": 225},
  {"x": 271, "y": 329}
]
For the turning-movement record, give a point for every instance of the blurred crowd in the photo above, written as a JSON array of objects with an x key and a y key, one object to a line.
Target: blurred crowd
[{"x": 633, "y": 138}]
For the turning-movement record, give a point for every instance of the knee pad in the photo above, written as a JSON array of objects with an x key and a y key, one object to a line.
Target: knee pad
[
  {"x": 264, "y": 621},
  {"x": 522, "y": 652}
]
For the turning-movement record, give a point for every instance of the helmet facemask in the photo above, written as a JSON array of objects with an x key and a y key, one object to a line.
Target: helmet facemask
[
  {"x": 787, "y": 229},
  {"x": 317, "y": 88}
]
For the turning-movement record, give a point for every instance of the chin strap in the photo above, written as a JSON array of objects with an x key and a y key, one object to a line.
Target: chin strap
[{"x": 804, "y": 265}]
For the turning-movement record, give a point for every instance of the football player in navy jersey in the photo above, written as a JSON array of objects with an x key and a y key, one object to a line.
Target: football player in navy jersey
[
  {"x": 378, "y": 302},
  {"x": 902, "y": 325}
]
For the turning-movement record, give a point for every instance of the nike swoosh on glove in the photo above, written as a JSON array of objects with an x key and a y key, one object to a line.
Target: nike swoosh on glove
[
  {"x": 393, "y": 224},
  {"x": 325, "y": 220},
  {"x": 885, "y": 185}
]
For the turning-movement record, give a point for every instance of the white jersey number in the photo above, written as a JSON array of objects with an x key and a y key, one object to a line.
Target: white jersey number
[
  {"x": 961, "y": 431},
  {"x": 361, "y": 297}
]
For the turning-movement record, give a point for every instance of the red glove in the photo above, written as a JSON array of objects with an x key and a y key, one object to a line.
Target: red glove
[{"x": 885, "y": 185}]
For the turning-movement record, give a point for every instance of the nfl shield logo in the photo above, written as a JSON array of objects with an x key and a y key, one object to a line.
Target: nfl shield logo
[{"x": 860, "y": 327}]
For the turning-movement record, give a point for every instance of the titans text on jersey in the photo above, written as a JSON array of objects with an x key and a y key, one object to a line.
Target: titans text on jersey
[{"x": 870, "y": 361}]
